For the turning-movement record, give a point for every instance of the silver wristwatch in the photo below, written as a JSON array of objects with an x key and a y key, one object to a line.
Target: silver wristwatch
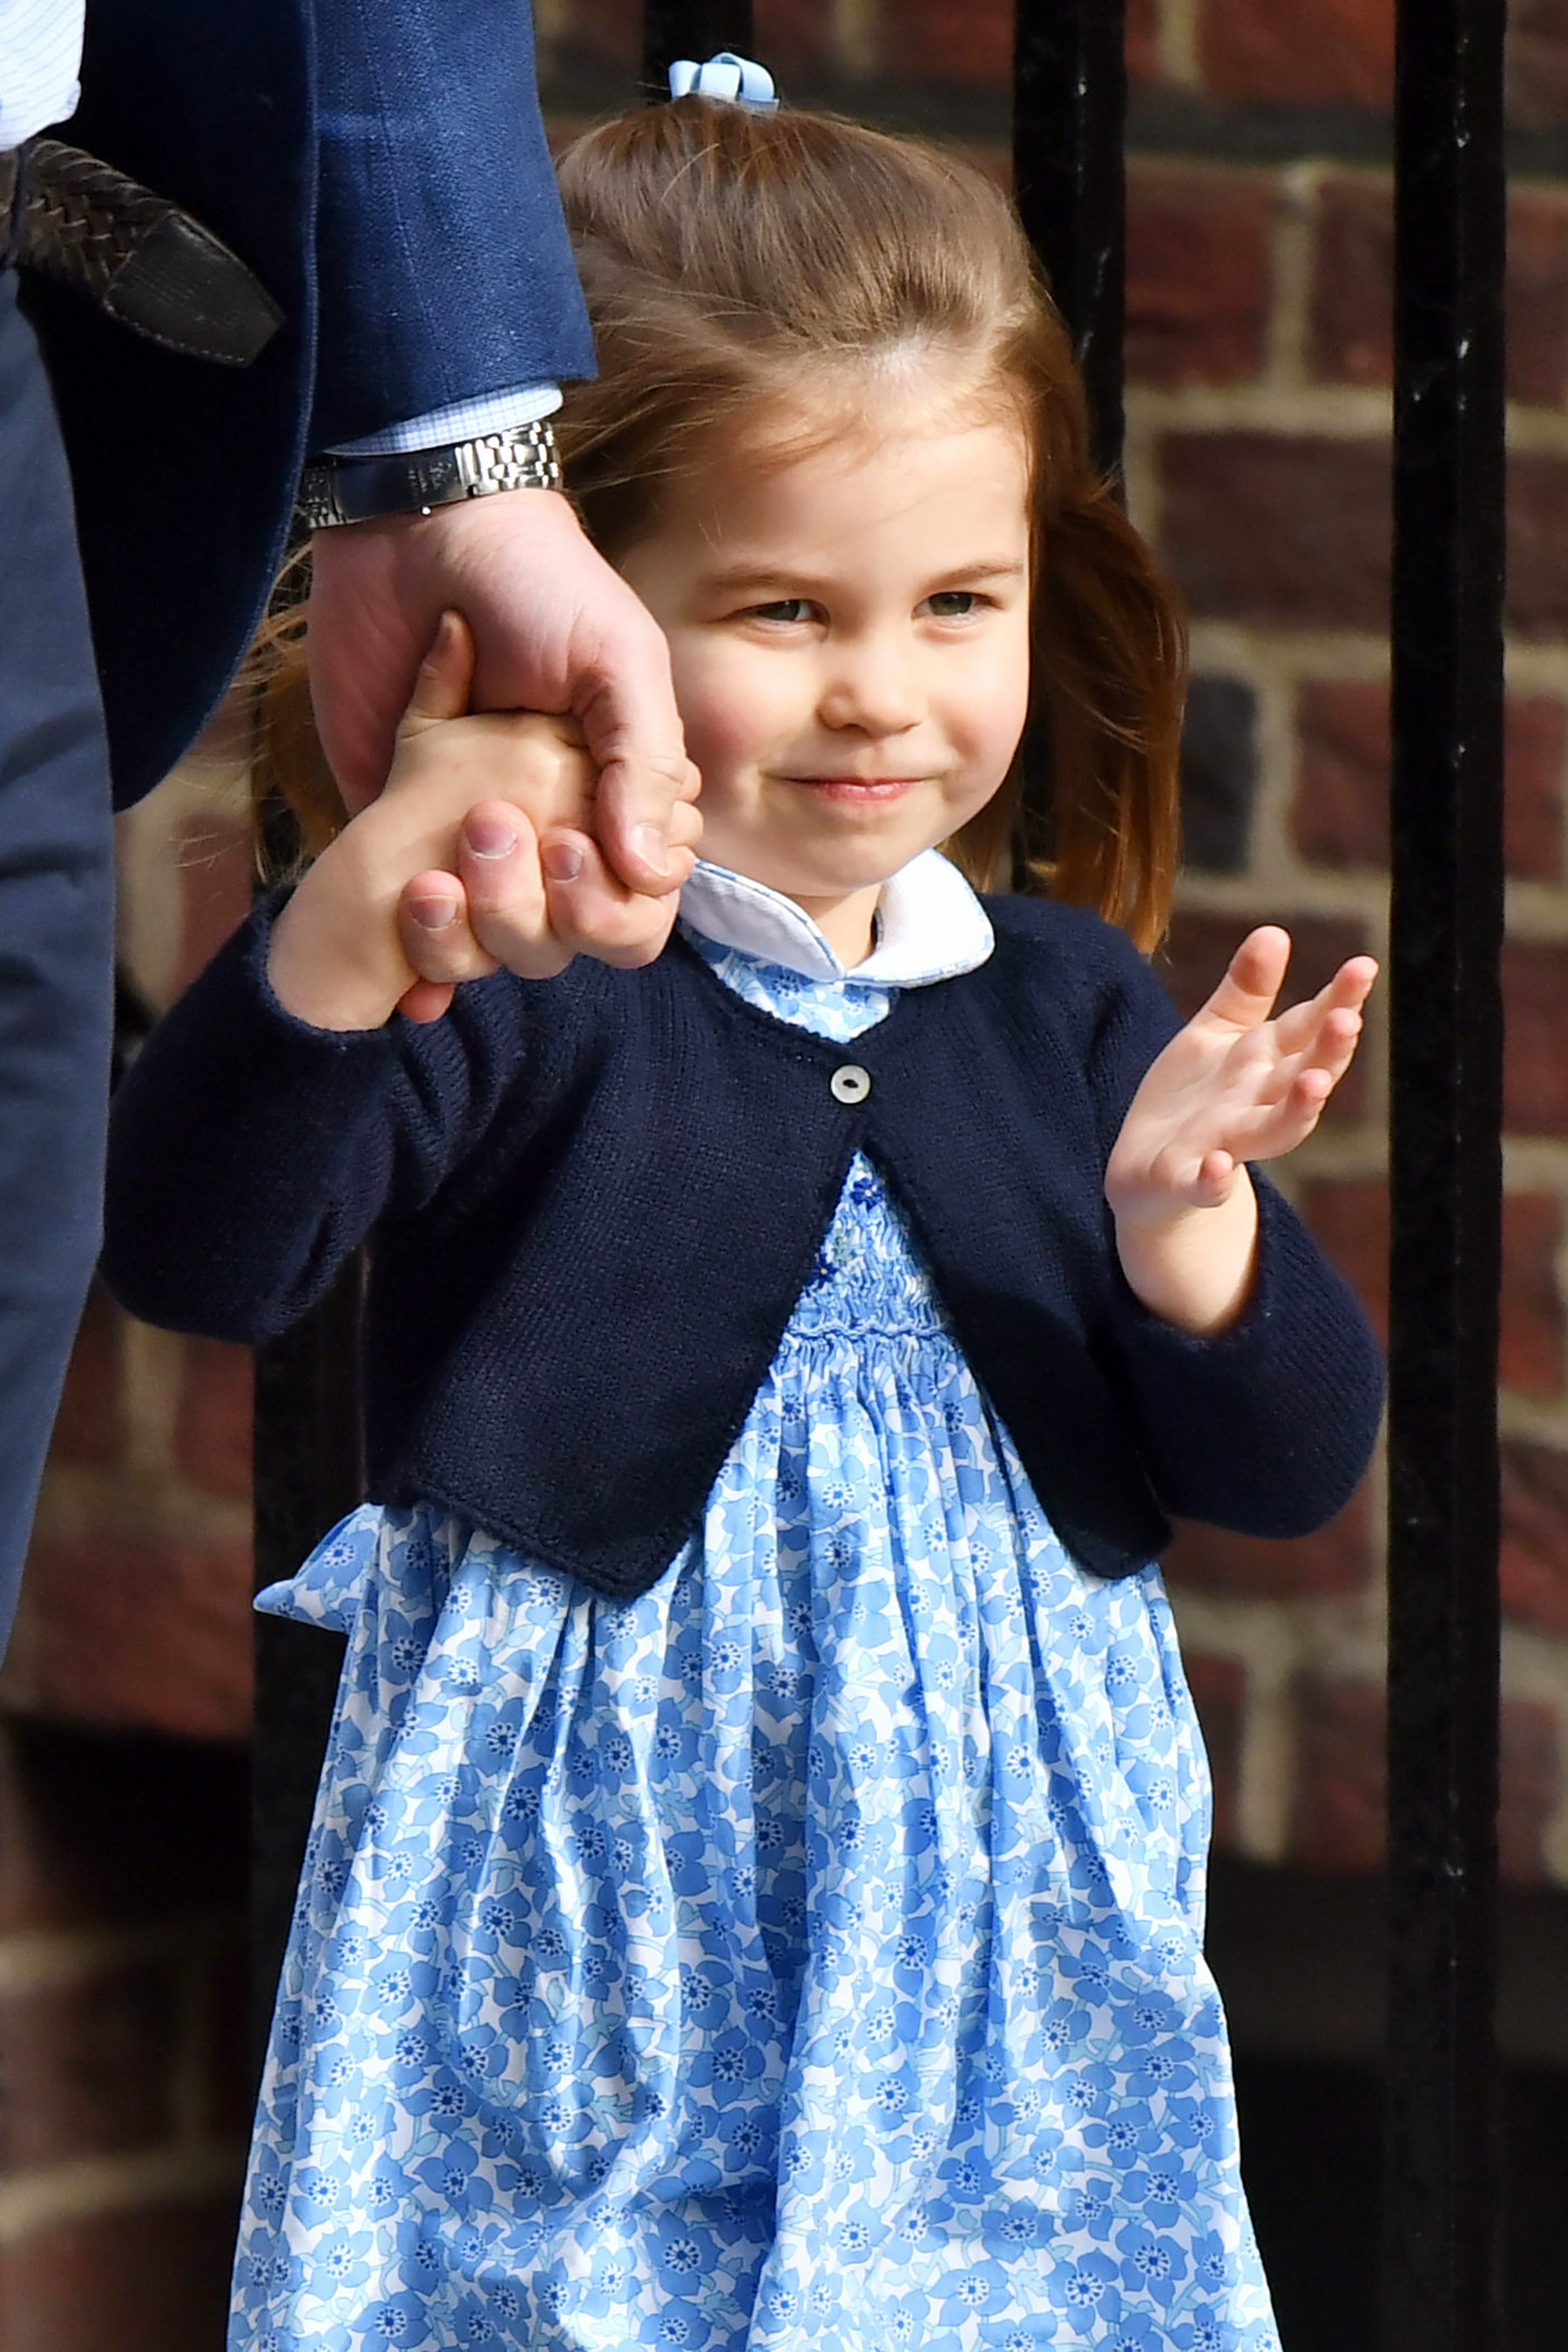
[{"x": 357, "y": 489}]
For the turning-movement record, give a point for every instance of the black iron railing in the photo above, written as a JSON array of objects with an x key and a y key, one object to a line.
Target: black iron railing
[
  {"x": 1440, "y": 2228},
  {"x": 1441, "y": 2207},
  {"x": 1070, "y": 112}
]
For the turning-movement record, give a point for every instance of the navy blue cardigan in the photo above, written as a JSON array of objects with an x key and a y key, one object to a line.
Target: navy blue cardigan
[{"x": 592, "y": 1202}]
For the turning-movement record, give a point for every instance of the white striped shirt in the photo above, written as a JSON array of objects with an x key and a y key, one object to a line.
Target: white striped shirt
[{"x": 40, "y": 58}]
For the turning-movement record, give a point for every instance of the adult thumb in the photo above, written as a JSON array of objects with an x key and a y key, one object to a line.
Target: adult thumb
[{"x": 446, "y": 676}]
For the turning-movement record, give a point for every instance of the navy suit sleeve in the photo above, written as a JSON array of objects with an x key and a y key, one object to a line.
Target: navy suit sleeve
[
  {"x": 1267, "y": 1427},
  {"x": 443, "y": 268}
]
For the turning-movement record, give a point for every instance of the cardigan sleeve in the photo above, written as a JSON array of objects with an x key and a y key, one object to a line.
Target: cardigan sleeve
[
  {"x": 1268, "y": 1426},
  {"x": 250, "y": 1154}
]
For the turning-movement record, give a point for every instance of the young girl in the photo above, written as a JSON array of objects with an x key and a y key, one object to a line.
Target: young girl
[{"x": 756, "y": 1893}]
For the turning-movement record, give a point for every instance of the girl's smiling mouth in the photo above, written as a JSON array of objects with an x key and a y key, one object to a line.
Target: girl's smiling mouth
[{"x": 857, "y": 788}]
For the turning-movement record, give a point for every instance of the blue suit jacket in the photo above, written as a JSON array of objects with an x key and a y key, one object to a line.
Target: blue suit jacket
[{"x": 382, "y": 166}]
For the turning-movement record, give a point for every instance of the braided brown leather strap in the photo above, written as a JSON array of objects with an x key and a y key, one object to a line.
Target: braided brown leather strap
[{"x": 139, "y": 257}]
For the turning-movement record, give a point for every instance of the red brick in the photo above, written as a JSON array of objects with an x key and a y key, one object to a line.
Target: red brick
[
  {"x": 216, "y": 870},
  {"x": 1143, "y": 41},
  {"x": 968, "y": 41},
  {"x": 1537, "y": 323},
  {"x": 212, "y": 1436},
  {"x": 116, "y": 1631},
  {"x": 1537, "y": 64},
  {"x": 1529, "y": 1355},
  {"x": 1536, "y": 604},
  {"x": 1350, "y": 329},
  {"x": 1218, "y": 1687},
  {"x": 1337, "y": 1820},
  {"x": 1337, "y": 1816},
  {"x": 795, "y": 35},
  {"x": 1286, "y": 530},
  {"x": 1535, "y": 1535},
  {"x": 1536, "y": 740},
  {"x": 1350, "y": 1217},
  {"x": 87, "y": 2070},
  {"x": 1338, "y": 1559},
  {"x": 1301, "y": 52},
  {"x": 155, "y": 2280},
  {"x": 1340, "y": 815},
  {"x": 91, "y": 1425},
  {"x": 1536, "y": 1037},
  {"x": 1349, "y": 332},
  {"x": 1199, "y": 945},
  {"x": 1198, "y": 282}
]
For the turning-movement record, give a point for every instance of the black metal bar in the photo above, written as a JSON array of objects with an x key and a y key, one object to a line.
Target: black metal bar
[
  {"x": 1070, "y": 112},
  {"x": 691, "y": 28},
  {"x": 308, "y": 1474},
  {"x": 1441, "y": 2207}
]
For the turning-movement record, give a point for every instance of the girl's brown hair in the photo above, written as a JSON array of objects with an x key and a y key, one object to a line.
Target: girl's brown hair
[{"x": 736, "y": 261}]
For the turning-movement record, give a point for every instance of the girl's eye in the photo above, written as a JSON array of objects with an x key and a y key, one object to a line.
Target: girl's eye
[
  {"x": 787, "y": 612},
  {"x": 955, "y": 604}
]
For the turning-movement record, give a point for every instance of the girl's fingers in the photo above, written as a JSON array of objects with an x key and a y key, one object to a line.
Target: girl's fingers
[
  {"x": 1346, "y": 992},
  {"x": 592, "y": 912},
  {"x": 498, "y": 859},
  {"x": 424, "y": 1002},
  {"x": 1245, "y": 997},
  {"x": 446, "y": 676},
  {"x": 435, "y": 934},
  {"x": 1268, "y": 1130}
]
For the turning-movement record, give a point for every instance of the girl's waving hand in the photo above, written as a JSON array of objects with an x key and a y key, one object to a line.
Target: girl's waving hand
[{"x": 1236, "y": 1084}]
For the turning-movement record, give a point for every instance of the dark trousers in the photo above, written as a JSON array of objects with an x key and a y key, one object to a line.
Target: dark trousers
[{"x": 56, "y": 933}]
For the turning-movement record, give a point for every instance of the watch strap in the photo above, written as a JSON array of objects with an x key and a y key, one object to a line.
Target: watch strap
[{"x": 358, "y": 489}]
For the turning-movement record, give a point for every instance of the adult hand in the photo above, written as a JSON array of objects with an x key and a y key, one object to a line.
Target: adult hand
[
  {"x": 527, "y": 888},
  {"x": 555, "y": 630}
]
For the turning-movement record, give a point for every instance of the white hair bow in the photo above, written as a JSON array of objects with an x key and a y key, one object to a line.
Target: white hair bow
[{"x": 724, "y": 75}]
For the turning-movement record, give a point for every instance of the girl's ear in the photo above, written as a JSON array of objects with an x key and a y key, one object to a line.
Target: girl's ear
[{"x": 445, "y": 678}]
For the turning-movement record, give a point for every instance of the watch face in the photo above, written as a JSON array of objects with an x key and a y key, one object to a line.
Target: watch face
[{"x": 434, "y": 477}]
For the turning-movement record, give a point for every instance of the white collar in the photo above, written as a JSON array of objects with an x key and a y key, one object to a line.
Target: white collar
[{"x": 930, "y": 925}]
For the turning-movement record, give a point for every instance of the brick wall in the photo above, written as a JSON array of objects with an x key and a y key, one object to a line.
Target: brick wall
[{"x": 1258, "y": 460}]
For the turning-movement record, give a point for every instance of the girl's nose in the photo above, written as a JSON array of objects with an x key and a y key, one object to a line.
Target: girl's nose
[{"x": 876, "y": 688}]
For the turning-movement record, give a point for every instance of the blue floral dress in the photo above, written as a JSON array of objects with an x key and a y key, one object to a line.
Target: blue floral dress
[{"x": 805, "y": 1957}]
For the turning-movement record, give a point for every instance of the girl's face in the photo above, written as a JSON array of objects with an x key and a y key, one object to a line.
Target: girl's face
[{"x": 848, "y": 630}]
